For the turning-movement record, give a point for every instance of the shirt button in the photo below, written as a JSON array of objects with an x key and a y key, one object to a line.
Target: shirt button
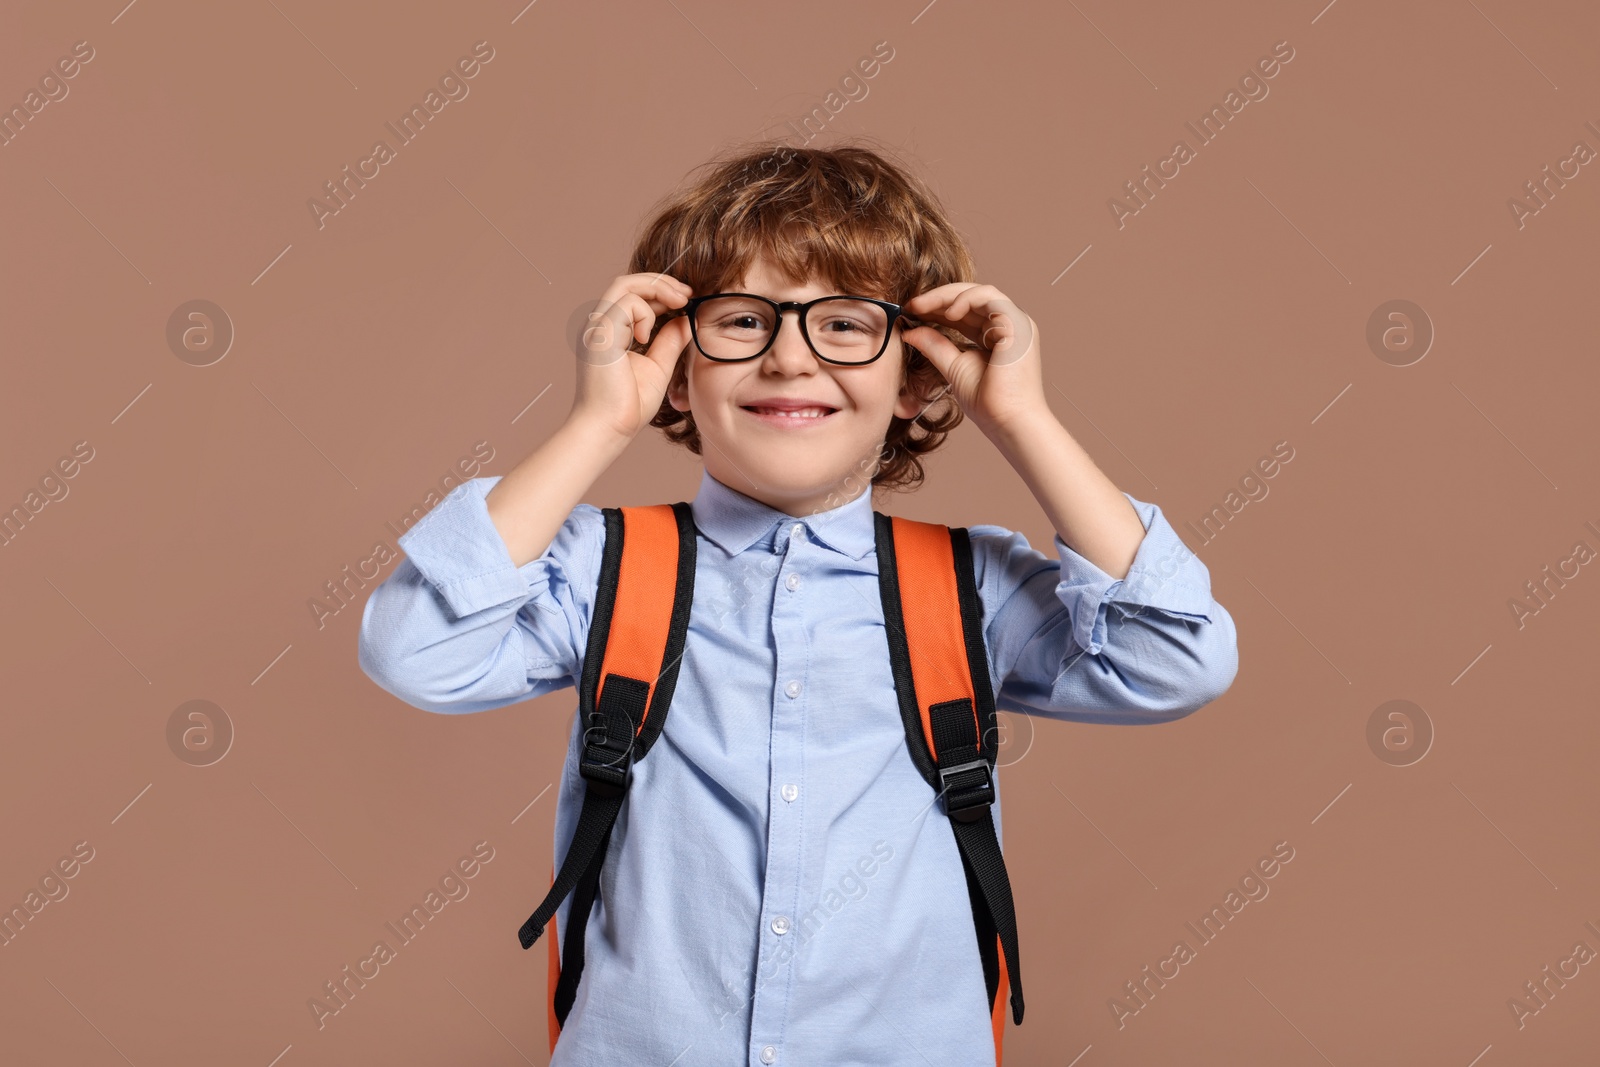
[
  {"x": 790, "y": 791},
  {"x": 780, "y": 925},
  {"x": 793, "y": 689},
  {"x": 794, "y": 531},
  {"x": 793, "y": 582},
  {"x": 769, "y": 1054}
]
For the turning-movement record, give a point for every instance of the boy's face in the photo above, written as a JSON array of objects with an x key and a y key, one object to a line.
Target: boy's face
[{"x": 795, "y": 465}]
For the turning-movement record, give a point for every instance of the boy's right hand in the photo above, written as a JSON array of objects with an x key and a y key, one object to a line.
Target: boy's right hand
[{"x": 619, "y": 389}]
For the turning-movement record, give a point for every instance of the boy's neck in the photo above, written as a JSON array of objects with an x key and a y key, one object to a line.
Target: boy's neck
[{"x": 795, "y": 507}]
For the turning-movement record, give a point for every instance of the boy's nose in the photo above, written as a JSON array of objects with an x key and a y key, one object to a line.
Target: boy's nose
[{"x": 789, "y": 349}]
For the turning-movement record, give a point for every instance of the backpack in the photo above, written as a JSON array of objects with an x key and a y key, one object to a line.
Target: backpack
[{"x": 941, "y": 675}]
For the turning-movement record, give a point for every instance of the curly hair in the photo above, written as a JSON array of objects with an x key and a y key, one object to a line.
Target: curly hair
[{"x": 845, "y": 215}]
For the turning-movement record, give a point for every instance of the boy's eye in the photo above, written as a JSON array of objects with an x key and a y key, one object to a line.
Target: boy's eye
[
  {"x": 842, "y": 326},
  {"x": 741, "y": 321}
]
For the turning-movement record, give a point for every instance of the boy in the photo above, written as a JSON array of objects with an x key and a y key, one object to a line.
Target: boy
[{"x": 780, "y": 885}]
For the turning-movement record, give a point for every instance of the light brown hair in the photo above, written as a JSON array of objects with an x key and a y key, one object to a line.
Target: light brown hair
[{"x": 847, "y": 216}]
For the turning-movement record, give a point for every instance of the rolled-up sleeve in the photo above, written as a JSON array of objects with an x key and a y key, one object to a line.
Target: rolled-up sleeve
[
  {"x": 458, "y": 627},
  {"x": 1066, "y": 640}
]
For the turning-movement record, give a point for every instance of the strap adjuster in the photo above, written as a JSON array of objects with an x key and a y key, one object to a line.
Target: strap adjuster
[
  {"x": 604, "y": 774},
  {"x": 968, "y": 799},
  {"x": 608, "y": 770}
]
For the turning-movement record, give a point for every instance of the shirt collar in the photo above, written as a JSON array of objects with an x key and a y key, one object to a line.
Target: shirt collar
[{"x": 736, "y": 521}]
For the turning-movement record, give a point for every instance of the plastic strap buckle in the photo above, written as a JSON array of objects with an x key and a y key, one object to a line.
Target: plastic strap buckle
[
  {"x": 967, "y": 800},
  {"x": 605, "y": 774},
  {"x": 609, "y": 741}
]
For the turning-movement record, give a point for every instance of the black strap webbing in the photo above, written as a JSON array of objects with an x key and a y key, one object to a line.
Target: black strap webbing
[
  {"x": 607, "y": 766},
  {"x": 612, "y": 742},
  {"x": 583, "y": 898},
  {"x": 961, "y": 767},
  {"x": 968, "y": 794}
]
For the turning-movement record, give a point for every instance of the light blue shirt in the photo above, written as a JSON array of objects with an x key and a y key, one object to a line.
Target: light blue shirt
[{"x": 780, "y": 886}]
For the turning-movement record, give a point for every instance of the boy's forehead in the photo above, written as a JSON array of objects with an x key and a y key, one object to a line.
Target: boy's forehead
[
  {"x": 763, "y": 274},
  {"x": 762, "y": 278}
]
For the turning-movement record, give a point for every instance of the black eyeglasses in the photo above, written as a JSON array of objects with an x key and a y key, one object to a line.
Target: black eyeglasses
[{"x": 845, "y": 330}]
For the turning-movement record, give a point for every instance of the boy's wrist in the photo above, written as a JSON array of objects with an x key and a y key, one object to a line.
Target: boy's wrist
[
  {"x": 1020, "y": 426},
  {"x": 594, "y": 435}
]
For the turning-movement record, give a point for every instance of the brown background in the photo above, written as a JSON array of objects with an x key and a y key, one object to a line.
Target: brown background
[{"x": 1228, "y": 315}]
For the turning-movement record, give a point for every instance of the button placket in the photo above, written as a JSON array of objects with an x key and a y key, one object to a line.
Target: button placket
[{"x": 770, "y": 1006}]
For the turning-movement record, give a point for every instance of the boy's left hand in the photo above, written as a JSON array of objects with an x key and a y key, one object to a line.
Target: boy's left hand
[{"x": 1002, "y": 378}]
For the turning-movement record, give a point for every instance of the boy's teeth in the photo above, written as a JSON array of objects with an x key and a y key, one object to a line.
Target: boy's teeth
[{"x": 802, "y": 413}]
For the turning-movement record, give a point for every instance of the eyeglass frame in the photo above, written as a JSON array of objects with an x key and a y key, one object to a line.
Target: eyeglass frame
[{"x": 897, "y": 314}]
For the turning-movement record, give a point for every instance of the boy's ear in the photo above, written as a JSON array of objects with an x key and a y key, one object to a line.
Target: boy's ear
[
  {"x": 678, "y": 389},
  {"x": 908, "y": 405}
]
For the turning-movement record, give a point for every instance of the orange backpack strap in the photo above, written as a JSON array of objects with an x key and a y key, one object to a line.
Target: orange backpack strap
[
  {"x": 636, "y": 639},
  {"x": 933, "y": 618}
]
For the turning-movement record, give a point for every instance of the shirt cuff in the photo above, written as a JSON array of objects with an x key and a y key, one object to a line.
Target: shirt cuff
[
  {"x": 1165, "y": 576},
  {"x": 457, "y": 548}
]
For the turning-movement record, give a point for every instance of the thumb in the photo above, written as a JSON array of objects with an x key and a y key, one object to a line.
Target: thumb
[
  {"x": 669, "y": 344},
  {"x": 952, "y": 362}
]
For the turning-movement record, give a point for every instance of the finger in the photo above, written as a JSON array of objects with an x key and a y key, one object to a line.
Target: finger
[
  {"x": 945, "y": 356},
  {"x": 930, "y": 302},
  {"x": 638, "y": 314},
  {"x": 613, "y": 322},
  {"x": 972, "y": 331},
  {"x": 669, "y": 346},
  {"x": 661, "y": 279},
  {"x": 981, "y": 297},
  {"x": 967, "y": 308},
  {"x": 996, "y": 323},
  {"x": 966, "y": 302},
  {"x": 1010, "y": 337},
  {"x": 677, "y": 286},
  {"x": 662, "y": 291},
  {"x": 659, "y": 291}
]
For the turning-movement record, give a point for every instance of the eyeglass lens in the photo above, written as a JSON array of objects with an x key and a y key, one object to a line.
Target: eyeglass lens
[{"x": 843, "y": 328}]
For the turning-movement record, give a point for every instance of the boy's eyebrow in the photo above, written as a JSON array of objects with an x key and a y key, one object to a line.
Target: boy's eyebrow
[{"x": 903, "y": 314}]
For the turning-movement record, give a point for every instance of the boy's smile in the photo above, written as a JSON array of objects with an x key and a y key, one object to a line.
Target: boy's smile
[
  {"x": 789, "y": 412},
  {"x": 787, "y": 428}
]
